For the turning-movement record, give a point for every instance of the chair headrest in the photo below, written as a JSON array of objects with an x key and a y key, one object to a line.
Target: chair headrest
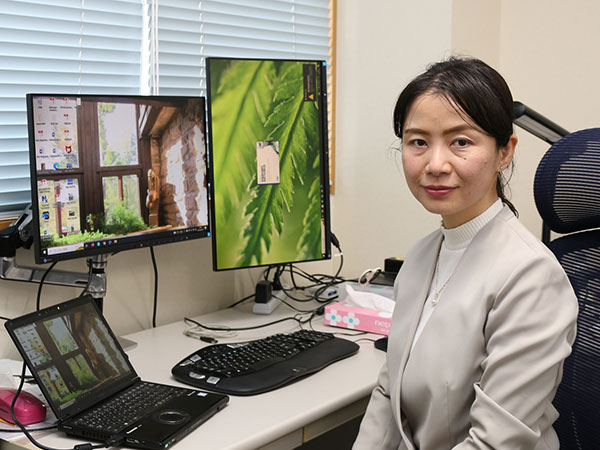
[{"x": 567, "y": 183}]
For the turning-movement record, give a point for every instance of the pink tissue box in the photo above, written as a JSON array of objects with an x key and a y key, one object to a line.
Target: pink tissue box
[{"x": 342, "y": 315}]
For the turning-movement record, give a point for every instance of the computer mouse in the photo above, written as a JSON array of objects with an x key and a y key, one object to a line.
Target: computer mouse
[{"x": 28, "y": 408}]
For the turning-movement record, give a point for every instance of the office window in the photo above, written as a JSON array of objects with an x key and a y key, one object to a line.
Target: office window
[
  {"x": 133, "y": 47},
  {"x": 71, "y": 46}
]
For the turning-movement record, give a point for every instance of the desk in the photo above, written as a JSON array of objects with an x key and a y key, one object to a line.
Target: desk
[{"x": 280, "y": 419}]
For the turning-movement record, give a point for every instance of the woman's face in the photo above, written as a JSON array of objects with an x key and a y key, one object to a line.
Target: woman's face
[{"x": 450, "y": 164}]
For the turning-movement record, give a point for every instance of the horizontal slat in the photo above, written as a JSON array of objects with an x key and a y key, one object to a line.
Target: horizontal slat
[
  {"x": 12, "y": 131},
  {"x": 215, "y": 32},
  {"x": 13, "y": 103},
  {"x": 11, "y": 203},
  {"x": 14, "y": 185},
  {"x": 14, "y": 172},
  {"x": 11, "y": 118},
  {"x": 15, "y": 157}
]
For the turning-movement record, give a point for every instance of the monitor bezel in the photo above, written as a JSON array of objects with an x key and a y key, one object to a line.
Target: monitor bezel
[
  {"x": 132, "y": 242},
  {"x": 324, "y": 167}
]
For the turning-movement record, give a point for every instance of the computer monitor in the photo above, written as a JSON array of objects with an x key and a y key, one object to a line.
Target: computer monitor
[
  {"x": 268, "y": 161},
  {"x": 115, "y": 172}
]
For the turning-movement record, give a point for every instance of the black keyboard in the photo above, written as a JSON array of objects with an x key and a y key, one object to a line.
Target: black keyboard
[
  {"x": 127, "y": 407},
  {"x": 254, "y": 367}
]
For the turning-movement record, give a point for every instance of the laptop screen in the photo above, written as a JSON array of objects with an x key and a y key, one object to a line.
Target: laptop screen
[{"x": 72, "y": 353}]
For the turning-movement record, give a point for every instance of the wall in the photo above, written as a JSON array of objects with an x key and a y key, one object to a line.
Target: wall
[
  {"x": 381, "y": 46},
  {"x": 548, "y": 54},
  {"x": 545, "y": 50}
]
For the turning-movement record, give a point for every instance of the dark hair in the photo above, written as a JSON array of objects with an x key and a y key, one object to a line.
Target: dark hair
[{"x": 476, "y": 89}]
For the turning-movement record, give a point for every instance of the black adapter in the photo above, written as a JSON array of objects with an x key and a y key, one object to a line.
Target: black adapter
[
  {"x": 264, "y": 290},
  {"x": 392, "y": 265}
]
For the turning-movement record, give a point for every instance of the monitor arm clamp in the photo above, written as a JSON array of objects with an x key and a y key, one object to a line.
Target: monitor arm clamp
[{"x": 18, "y": 234}]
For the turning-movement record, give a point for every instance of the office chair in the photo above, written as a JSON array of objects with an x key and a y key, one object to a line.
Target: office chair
[{"x": 567, "y": 195}]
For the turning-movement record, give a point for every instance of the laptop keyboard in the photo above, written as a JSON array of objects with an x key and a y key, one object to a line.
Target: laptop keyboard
[
  {"x": 253, "y": 367},
  {"x": 128, "y": 407}
]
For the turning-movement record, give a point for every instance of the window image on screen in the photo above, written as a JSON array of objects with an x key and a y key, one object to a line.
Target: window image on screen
[
  {"x": 111, "y": 173},
  {"x": 268, "y": 165}
]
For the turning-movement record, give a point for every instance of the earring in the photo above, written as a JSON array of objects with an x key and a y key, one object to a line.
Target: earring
[{"x": 501, "y": 168}]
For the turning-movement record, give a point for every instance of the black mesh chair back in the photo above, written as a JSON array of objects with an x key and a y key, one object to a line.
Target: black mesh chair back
[{"x": 567, "y": 195}]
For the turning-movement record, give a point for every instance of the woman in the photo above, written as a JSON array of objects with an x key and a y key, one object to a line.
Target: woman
[{"x": 484, "y": 315}]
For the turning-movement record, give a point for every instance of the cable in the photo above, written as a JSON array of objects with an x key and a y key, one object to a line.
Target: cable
[
  {"x": 298, "y": 300},
  {"x": 335, "y": 278},
  {"x": 321, "y": 281},
  {"x": 155, "y": 307},
  {"x": 110, "y": 443},
  {"x": 255, "y": 327},
  {"x": 39, "y": 292},
  {"x": 242, "y": 300},
  {"x": 50, "y": 427}
]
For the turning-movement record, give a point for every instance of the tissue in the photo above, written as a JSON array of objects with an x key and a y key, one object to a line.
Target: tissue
[{"x": 369, "y": 300}]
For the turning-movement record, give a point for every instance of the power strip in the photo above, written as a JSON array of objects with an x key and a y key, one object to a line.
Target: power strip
[{"x": 268, "y": 307}]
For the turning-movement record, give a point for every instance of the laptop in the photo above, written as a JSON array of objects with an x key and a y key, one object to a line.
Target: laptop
[{"x": 85, "y": 375}]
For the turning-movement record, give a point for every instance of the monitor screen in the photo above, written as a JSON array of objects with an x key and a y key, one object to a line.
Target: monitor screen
[
  {"x": 110, "y": 173},
  {"x": 268, "y": 161}
]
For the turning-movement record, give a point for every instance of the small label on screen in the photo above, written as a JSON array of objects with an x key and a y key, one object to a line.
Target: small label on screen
[
  {"x": 310, "y": 86},
  {"x": 267, "y": 162}
]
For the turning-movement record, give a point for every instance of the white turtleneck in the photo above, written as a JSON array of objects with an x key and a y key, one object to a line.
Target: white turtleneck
[{"x": 454, "y": 244}]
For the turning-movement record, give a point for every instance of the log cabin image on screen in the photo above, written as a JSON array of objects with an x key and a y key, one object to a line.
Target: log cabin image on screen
[
  {"x": 115, "y": 167},
  {"x": 73, "y": 354}
]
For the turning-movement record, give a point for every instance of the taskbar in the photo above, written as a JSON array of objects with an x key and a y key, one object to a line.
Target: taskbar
[{"x": 116, "y": 243}]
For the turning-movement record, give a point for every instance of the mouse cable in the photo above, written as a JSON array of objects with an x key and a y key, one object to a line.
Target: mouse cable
[
  {"x": 155, "y": 307},
  {"x": 49, "y": 427},
  {"x": 111, "y": 442}
]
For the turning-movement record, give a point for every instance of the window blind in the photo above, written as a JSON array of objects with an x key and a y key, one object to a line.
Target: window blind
[
  {"x": 188, "y": 31},
  {"x": 133, "y": 47},
  {"x": 59, "y": 46}
]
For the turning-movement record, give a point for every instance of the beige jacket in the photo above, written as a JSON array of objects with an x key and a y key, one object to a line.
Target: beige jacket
[{"x": 485, "y": 369}]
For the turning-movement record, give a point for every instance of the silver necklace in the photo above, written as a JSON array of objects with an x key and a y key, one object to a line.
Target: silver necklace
[{"x": 437, "y": 292}]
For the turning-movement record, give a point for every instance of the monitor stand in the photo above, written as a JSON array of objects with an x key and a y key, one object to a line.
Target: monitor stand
[{"x": 9, "y": 270}]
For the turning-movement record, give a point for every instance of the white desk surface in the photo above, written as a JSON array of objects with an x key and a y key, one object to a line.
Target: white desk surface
[{"x": 279, "y": 419}]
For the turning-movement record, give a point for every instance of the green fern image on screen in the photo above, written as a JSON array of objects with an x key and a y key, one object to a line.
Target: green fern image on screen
[{"x": 255, "y": 101}]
